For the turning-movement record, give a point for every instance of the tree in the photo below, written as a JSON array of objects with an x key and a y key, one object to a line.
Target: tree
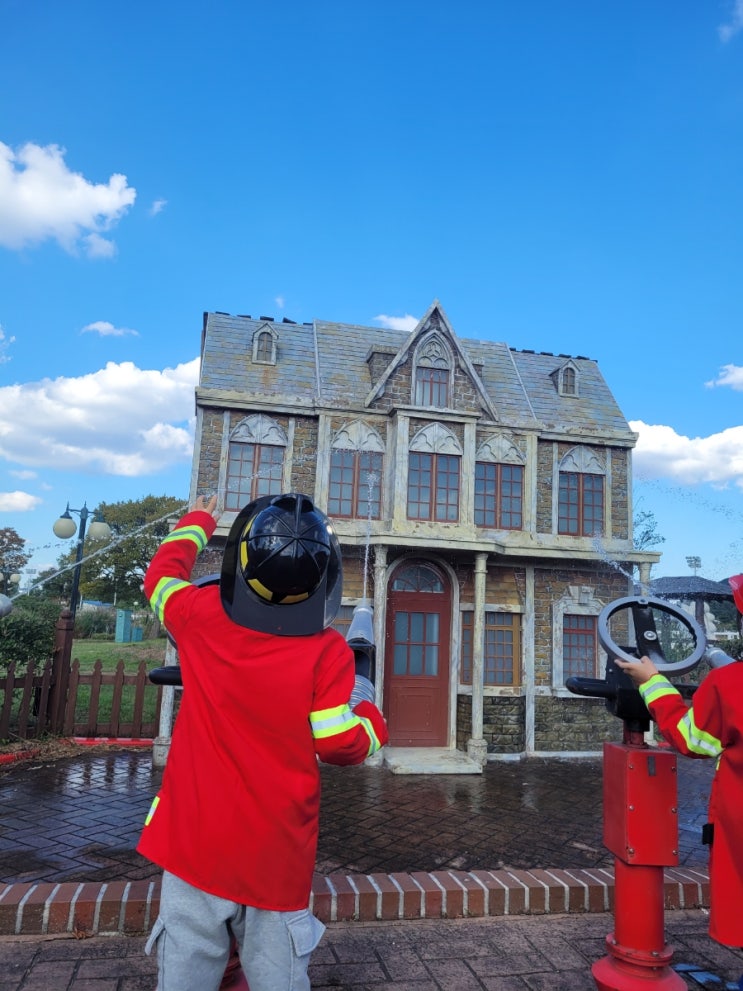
[
  {"x": 645, "y": 531},
  {"x": 113, "y": 569},
  {"x": 12, "y": 558}
]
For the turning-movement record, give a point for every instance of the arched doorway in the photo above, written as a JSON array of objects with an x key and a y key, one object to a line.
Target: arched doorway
[{"x": 416, "y": 684}]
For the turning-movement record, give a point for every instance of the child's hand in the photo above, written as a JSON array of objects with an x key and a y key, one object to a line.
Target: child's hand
[
  {"x": 204, "y": 505},
  {"x": 639, "y": 671}
]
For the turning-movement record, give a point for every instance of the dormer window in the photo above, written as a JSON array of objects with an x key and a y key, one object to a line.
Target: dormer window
[
  {"x": 432, "y": 369},
  {"x": 264, "y": 346},
  {"x": 566, "y": 378}
]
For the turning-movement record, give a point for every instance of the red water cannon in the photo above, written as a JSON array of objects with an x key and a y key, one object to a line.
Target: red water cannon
[{"x": 640, "y": 791}]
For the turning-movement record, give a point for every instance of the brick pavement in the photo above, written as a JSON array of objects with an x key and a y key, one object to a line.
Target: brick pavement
[
  {"x": 519, "y": 953},
  {"x": 404, "y": 857}
]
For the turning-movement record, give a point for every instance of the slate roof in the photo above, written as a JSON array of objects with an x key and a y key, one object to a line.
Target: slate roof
[
  {"x": 690, "y": 587},
  {"x": 325, "y": 363}
]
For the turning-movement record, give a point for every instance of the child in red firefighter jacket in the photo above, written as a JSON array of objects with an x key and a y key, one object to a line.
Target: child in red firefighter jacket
[
  {"x": 268, "y": 688},
  {"x": 712, "y": 726}
]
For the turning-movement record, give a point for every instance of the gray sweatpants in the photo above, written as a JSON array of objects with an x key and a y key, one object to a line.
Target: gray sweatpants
[{"x": 193, "y": 932}]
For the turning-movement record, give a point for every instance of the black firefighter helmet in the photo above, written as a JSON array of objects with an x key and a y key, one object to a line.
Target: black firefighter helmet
[{"x": 281, "y": 568}]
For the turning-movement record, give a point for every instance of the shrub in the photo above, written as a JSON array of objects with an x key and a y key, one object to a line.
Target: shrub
[
  {"x": 28, "y": 632},
  {"x": 95, "y": 623}
]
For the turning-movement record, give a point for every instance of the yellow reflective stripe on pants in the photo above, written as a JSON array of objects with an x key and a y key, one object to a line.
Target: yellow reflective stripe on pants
[{"x": 163, "y": 591}]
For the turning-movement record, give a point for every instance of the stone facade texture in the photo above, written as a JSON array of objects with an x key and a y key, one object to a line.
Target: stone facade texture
[{"x": 333, "y": 380}]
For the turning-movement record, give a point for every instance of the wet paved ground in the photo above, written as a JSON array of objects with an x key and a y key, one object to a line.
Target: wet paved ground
[
  {"x": 78, "y": 818},
  {"x": 538, "y": 953}
]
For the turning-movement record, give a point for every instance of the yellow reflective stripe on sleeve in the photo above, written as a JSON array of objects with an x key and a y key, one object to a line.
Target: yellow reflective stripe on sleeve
[
  {"x": 331, "y": 722},
  {"x": 374, "y": 743},
  {"x": 698, "y": 740},
  {"x": 153, "y": 809},
  {"x": 194, "y": 533},
  {"x": 163, "y": 591},
  {"x": 655, "y": 688}
]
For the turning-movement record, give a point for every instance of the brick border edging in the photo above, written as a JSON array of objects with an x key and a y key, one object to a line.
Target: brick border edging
[{"x": 130, "y": 907}]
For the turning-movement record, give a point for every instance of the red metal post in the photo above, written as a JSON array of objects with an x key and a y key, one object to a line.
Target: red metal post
[{"x": 641, "y": 830}]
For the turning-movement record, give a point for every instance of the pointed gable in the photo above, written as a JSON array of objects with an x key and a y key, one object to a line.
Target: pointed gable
[{"x": 432, "y": 349}]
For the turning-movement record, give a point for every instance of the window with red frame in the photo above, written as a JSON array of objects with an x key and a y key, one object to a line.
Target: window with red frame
[
  {"x": 579, "y": 646},
  {"x": 433, "y": 487},
  {"x": 253, "y": 470},
  {"x": 355, "y": 484},
  {"x": 499, "y": 495},
  {"x": 431, "y": 386},
  {"x": 580, "y": 511}
]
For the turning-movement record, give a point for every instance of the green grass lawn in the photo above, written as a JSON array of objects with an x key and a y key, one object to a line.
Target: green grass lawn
[{"x": 109, "y": 653}]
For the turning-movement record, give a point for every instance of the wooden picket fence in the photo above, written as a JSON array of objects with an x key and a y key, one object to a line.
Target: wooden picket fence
[
  {"x": 96, "y": 703},
  {"x": 62, "y": 700}
]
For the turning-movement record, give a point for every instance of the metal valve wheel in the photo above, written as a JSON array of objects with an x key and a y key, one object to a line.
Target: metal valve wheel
[{"x": 643, "y": 610}]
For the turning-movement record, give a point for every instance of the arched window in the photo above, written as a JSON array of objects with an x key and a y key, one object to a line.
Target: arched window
[
  {"x": 255, "y": 461},
  {"x": 417, "y": 577},
  {"x": 432, "y": 373},
  {"x": 567, "y": 379},
  {"x": 569, "y": 382},
  {"x": 264, "y": 346}
]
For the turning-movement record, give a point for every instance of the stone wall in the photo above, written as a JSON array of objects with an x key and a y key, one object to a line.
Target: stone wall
[
  {"x": 503, "y": 723},
  {"x": 580, "y": 724}
]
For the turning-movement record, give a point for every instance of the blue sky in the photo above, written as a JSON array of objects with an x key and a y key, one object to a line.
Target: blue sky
[{"x": 562, "y": 177}]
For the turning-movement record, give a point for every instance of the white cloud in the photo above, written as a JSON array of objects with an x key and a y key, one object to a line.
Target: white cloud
[
  {"x": 41, "y": 200},
  {"x": 5, "y": 343},
  {"x": 716, "y": 460},
  {"x": 157, "y": 207},
  {"x": 121, "y": 420},
  {"x": 24, "y": 474},
  {"x": 106, "y": 329},
  {"x": 18, "y": 502},
  {"x": 397, "y": 323},
  {"x": 280, "y": 302},
  {"x": 730, "y": 375},
  {"x": 728, "y": 31}
]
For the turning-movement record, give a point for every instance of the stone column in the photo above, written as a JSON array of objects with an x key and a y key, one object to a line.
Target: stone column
[
  {"x": 380, "y": 595},
  {"x": 477, "y": 748}
]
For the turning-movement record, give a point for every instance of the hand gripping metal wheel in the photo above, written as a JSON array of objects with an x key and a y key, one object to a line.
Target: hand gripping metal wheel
[{"x": 648, "y": 642}]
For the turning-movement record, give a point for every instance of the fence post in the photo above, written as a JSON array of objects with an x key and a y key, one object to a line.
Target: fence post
[{"x": 63, "y": 630}]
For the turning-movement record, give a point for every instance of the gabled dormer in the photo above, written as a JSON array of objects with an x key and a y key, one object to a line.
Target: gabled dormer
[
  {"x": 433, "y": 355},
  {"x": 567, "y": 379},
  {"x": 265, "y": 339}
]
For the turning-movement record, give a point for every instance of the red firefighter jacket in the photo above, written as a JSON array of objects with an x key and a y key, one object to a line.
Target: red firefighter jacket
[
  {"x": 713, "y": 727},
  {"x": 237, "y": 814}
]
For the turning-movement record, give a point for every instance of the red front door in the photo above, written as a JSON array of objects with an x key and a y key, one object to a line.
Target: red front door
[{"x": 417, "y": 657}]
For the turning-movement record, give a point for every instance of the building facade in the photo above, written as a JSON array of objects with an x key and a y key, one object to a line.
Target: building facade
[{"x": 482, "y": 498}]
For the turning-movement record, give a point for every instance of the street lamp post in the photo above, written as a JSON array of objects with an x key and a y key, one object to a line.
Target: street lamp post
[
  {"x": 65, "y": 527},
  {"x": 11, "y": 580}
]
